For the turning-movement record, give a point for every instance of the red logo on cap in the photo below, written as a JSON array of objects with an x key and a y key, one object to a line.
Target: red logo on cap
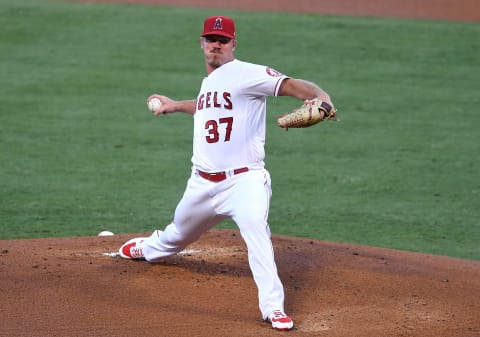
[{"x": 218, "y": 24}]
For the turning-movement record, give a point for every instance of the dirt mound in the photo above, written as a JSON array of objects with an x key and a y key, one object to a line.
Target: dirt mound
[{"x": 68, "y": 287}]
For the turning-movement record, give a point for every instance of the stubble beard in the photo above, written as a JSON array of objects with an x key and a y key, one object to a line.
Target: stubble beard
[{"x": 214, "y": 60}]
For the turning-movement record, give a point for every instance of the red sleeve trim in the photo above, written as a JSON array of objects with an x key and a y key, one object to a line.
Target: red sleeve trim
[{"x": 279, "y": 82}]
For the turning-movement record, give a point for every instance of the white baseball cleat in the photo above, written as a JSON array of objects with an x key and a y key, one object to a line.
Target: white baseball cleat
[
  {"x": 280, "y": 320},
  {"x": 132, "y": 249}
]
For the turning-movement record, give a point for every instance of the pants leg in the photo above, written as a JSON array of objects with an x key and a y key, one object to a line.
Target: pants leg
[
  {"x": 249, "y": 207},
  {"x": 194, "y": 215}
]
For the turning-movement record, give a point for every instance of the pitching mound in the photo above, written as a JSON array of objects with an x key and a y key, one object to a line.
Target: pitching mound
[{"x": 68, "y": 287}]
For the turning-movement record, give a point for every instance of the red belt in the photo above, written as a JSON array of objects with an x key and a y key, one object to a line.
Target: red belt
[{"x": 220, "y": 176}]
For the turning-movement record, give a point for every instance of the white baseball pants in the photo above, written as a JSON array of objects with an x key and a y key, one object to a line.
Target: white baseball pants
[{"x": 244, "y": 198}]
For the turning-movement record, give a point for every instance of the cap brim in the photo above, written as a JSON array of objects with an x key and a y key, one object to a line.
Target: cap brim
[{"x": 218, "y": 34}]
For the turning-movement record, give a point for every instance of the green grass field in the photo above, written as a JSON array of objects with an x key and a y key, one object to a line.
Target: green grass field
[{"x": 80, "y": 153}]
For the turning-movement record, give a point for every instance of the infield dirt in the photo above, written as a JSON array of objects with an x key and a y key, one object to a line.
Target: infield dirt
[{"x": 68, "y": 287}]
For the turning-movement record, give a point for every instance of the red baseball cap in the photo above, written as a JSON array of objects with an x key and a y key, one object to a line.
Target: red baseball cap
[{"x": 219, "y": 25}]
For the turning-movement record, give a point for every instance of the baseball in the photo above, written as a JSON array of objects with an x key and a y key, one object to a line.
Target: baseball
[
  {"x": 105, "y": 233},
  {"x": 154, "y": 104}
]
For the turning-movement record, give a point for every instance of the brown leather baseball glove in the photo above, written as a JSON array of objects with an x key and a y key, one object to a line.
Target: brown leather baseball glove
[{"x": 310, "y": 113}]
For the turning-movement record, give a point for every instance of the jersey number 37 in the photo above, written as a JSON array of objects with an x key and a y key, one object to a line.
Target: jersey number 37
[{"x": 212, "y": 126}]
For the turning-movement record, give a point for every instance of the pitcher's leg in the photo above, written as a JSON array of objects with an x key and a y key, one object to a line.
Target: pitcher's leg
[
  {"x": 264, "y": 270},
  {"x": 193, "y": 216},
  {"x": 251, "y": 216}
]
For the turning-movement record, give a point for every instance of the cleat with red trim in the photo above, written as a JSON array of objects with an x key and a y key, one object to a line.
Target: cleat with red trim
[
  {"x": 132, "y": 249},
  {"x": 280, "y": 320}
]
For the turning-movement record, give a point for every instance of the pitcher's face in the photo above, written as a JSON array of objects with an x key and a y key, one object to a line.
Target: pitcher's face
[{"x": 217, "y": 50}]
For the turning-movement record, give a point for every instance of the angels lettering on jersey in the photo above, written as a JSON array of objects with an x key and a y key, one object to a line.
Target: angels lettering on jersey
[{"x": 215, "y": 99}]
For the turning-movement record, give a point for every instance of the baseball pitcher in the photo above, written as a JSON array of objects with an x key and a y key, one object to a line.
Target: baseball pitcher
[{"x": 228, "y": 178}]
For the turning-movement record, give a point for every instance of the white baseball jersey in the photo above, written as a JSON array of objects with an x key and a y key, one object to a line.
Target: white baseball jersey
[{"x": 229, "y": 128}]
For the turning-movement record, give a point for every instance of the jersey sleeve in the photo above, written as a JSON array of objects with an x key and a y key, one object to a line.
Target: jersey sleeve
[{"x": 262, "y": 80}]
